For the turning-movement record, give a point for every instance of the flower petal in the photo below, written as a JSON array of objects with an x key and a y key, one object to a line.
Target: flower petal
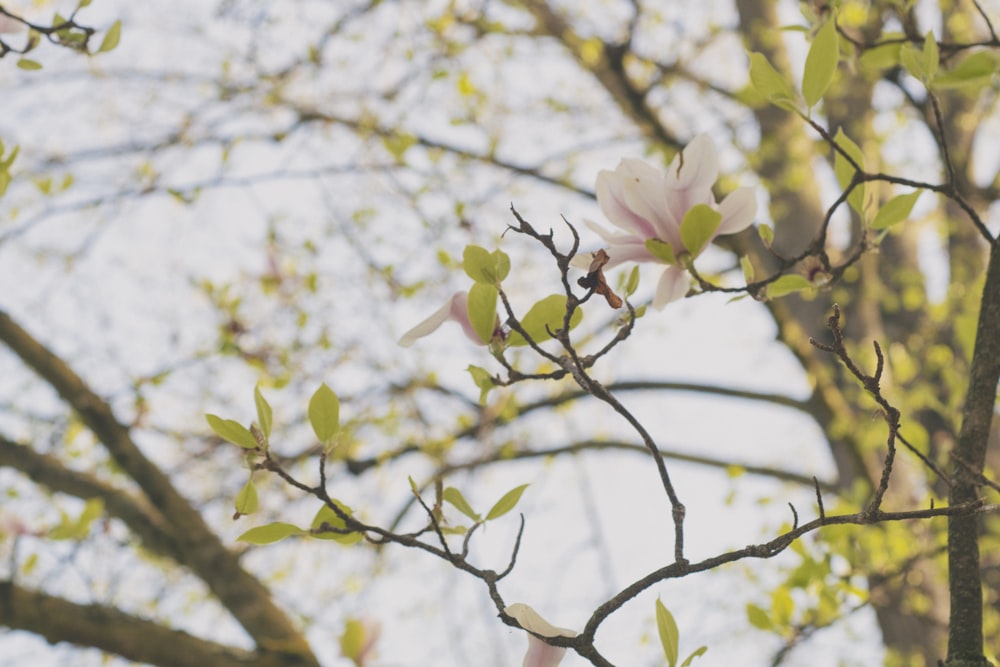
[
  {"x": 696, "y": 167},
  {"x": 738, "y": 210},
  {"x": 673, "y": 285},
  {"x": 541, "y": 654},
  {"x": 529, "y": 619},
  {"x": 613, "y": 199},
  {"x": 454, "y": 309}
]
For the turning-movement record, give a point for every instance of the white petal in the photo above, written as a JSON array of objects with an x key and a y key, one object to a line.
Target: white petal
[
  {"x": 529, "y": 619},
  {"x": 738, "y": 210},
  {"x": 432, "y": 323},
  {"x": 673, "y": 285},
  {"x": 609, "y": 237}
]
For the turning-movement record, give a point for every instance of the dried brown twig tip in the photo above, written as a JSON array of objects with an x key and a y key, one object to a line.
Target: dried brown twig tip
[{"x": 595, "y": 280}]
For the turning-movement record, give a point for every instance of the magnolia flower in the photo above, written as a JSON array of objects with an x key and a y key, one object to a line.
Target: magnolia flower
[
  {"x": 539, "y": 653},
  {"x": 646, "y": 203},
  {"x": 456, "y": 309}
]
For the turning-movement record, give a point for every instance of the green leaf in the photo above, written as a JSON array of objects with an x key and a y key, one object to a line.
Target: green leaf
[
  {"x": 483, "y": 380},
  {"x": 501, "y": 264},
  {"x": 506, "y": 503},
  {"x": 482, "y": 307},
  {"x": 549, "y": 312},
  {"x": 931, "y": 57},
  {"x": 766, "y": 234},
  {"x": 111, "y": 37},
  {"x": 912, "y": 61},
  {"x": 69, "y": 529},
  {"x": 977, "y": 69},
  {"x": 327, "y": 516},
  {"x": 352, "y": 641},
  {"x": 25, "y": 63},
  {"x": 758, "y": 617},
  {"x": 895, "y": 210},
  {"x": 632, "y": 284},
  {"x": 484, "y": 266},
  {"x": 246, "y": 499},
  {"x": 263, "y": 411},
  {"x": 770, "y": 84},
  {"x": 324, "y": 413},
  {"x": 787, "y": 285},
  {"x": 231, "y": 431},
  {"x": 698, "y": 227},
  {"x": 669, "y": 637},
  {"x": 880, "y": 58},
  {"x": 696, "y": 654},
  {"x": 821, "y": 63},
  {"x": 269, "y": 533},
  {"x": 747, "y": 266},
  {"x": 845, "y": 172},
  {"x": 782, "y": 606},
  {"x": 661, "y": 250},
  {"x": 457, "y": 500},
  {"x": 83, "y": 3}
]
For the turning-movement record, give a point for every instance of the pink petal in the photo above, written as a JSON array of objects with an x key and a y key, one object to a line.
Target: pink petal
[
  {"x": 456, "y": 308},
  {"x": 673, "y": 285},
  {"x": 697, "y": 167},
  {"x": 541, "y": 654},
  {"x": 633, "y": 251},
  {"x": 738, "y": 210},
  {"x": 611, "y": 199}
]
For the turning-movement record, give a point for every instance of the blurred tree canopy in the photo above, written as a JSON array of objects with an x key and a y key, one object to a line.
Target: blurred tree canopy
[{"x": 201, "y": 198}]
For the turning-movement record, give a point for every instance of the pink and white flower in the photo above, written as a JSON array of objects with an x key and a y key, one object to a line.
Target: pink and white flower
[
  {"x": 455, "y": 309},
  {"x": 539, "y": 654},
  {"x": 646, "y": 203}
]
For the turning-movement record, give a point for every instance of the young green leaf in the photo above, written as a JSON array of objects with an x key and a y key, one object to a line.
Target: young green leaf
[
  {"x": 326, "y": 519},
  {"x": 747, "y": 266},
  {"x": 661, "y": 250},
  {"x": 698, "y": 227},
  {"x": 669, "y": 637},
  {"x": 766, "y": 234},
  {"x": 231, "y": 431},
  {"x": 632, "y": 284},
  {"x": 482, "y": 307},
  {"x": 506, "y": 503},
  {"x": 352, "y": 641},
  {"x": 787, "y": 285},
  {"x": 501, "y": 264},
  {"x": 770, "y": 84},
  {"x": 975, "y": 70},
  {"x": 246, "y": 499},
  {"x": 324, "y": 413},
  {"x": 457, "y": 500},
  {"x": 483, "y": 380},
  {"x": 269, "y": 533},
  {"x": 546, "y": 315},
  {"x": 758, "y": 617},
  {"x": 697, "y": 653},
  {"x": 821, "y": 63},
  {"x": 111, "y": 37},
  {"x": 27, "y": 64},
  {"x": 263, "y": 411},
  {"x": 931, "y": 57},
  {"x": 845, "y": 172},
  {"x": 483, "y": 266},
  {"x": 895, "y": 210}
]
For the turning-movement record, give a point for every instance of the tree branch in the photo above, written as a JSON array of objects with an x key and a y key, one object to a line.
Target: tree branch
[
  {"x": 242, "y": 594},
  {"x": 114, "y": 631}
]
